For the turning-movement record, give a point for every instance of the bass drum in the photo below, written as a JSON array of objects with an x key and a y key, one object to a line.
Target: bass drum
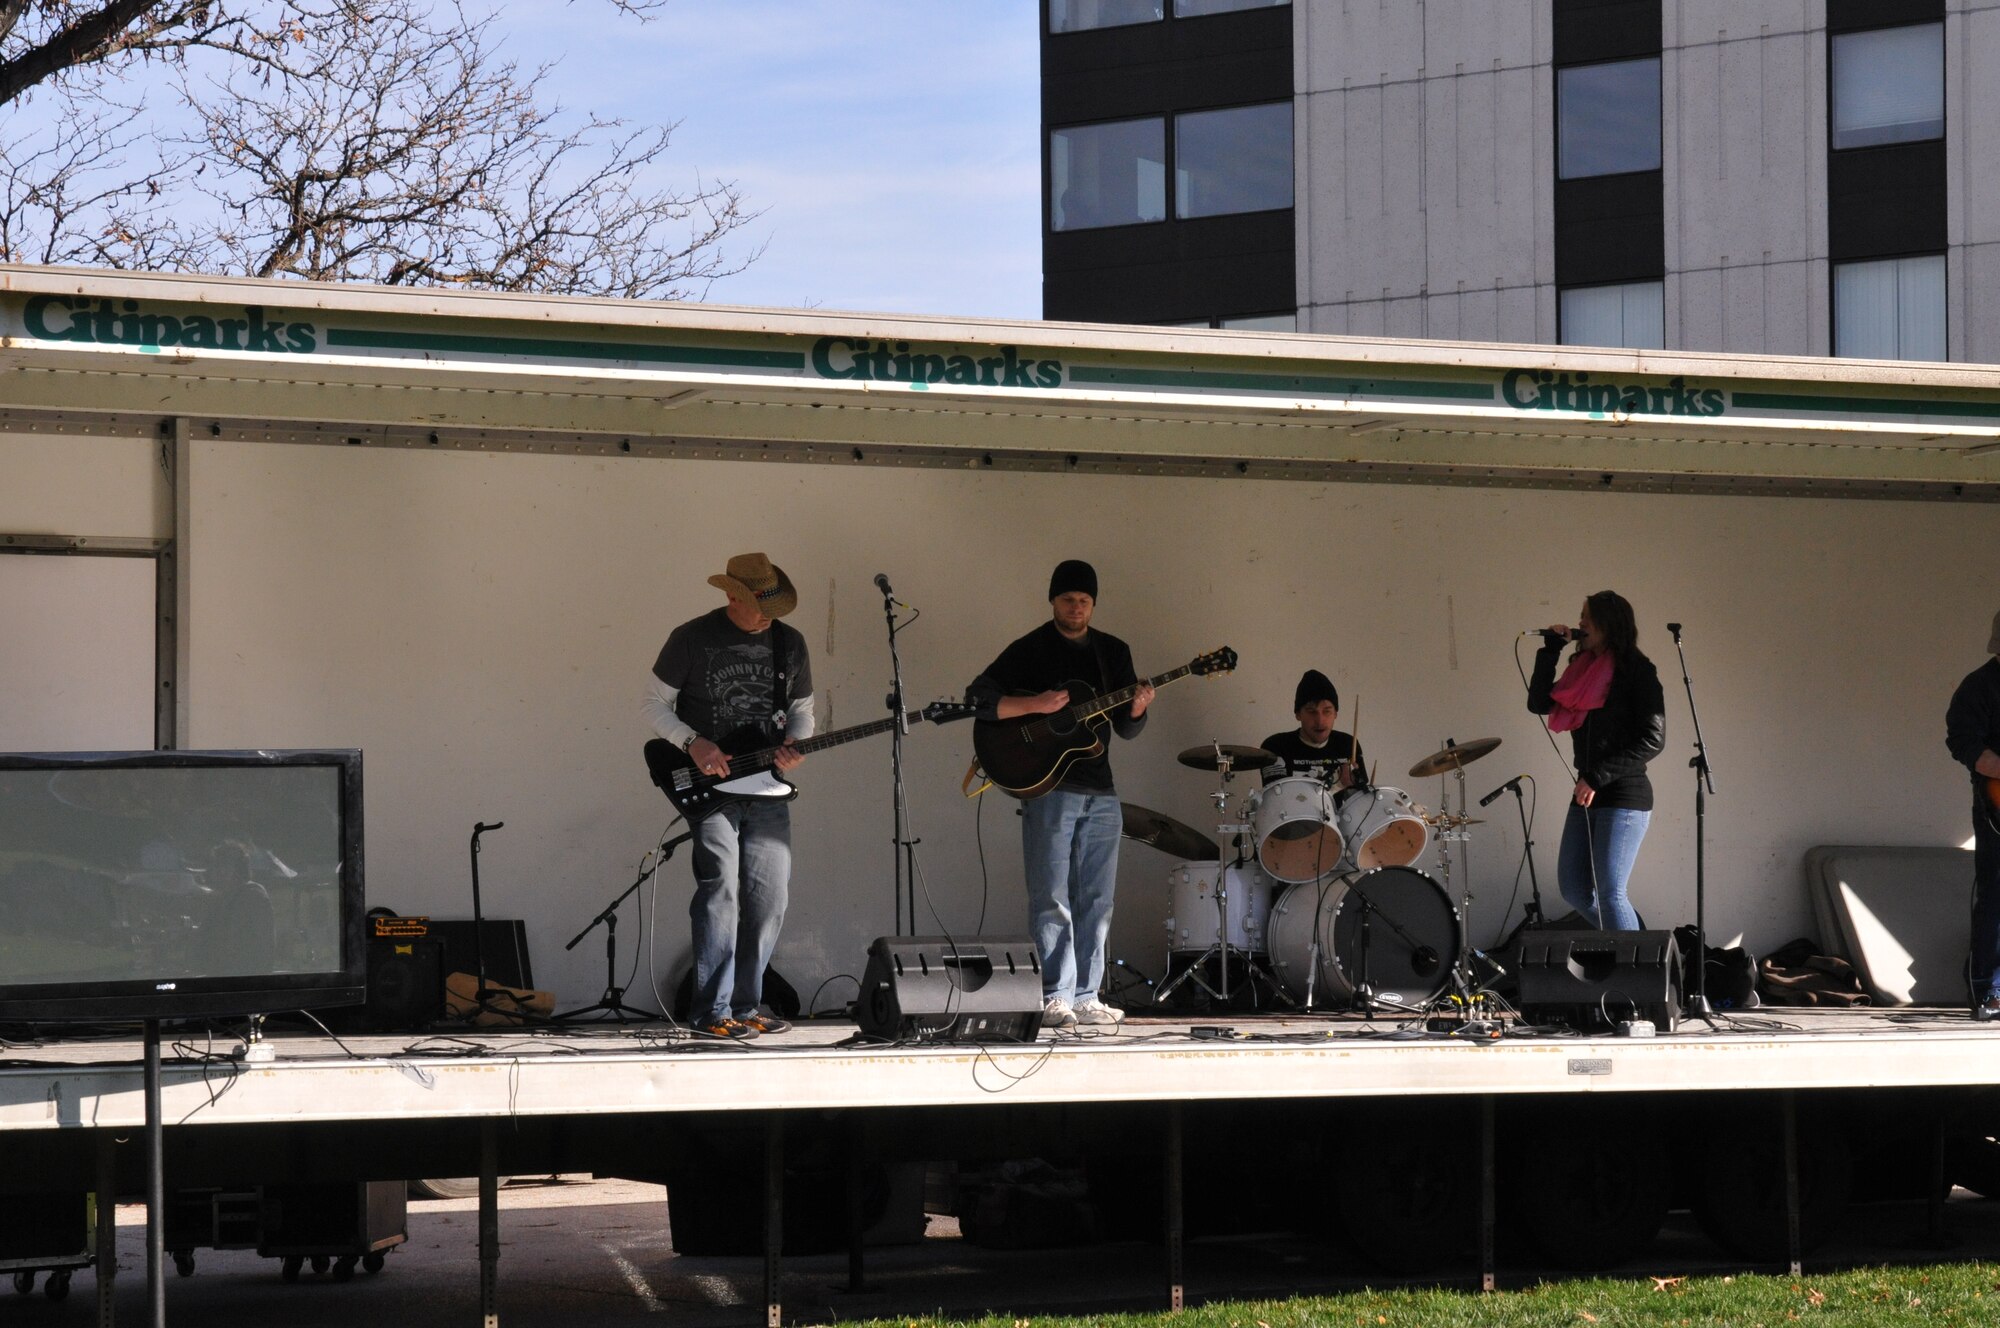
[
  {"x": 1298, "y": 836},
  {"x": 1196, "y": 923},
  {"x": 1383, "y": 828},
  {"x": 1413, "y": 937}
]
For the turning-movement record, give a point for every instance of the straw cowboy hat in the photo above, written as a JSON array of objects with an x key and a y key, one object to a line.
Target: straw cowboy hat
[{"x": 756, "y": 579}]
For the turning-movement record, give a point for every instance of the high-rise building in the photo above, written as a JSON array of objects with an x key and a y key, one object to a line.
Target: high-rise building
[{"x": 1786, "y": 176}]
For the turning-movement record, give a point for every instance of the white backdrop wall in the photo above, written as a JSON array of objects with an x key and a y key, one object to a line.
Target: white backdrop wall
[{"x": 482, "y": 626}]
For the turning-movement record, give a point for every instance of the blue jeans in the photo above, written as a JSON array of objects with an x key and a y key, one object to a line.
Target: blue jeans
[
  {"x": 1606, "y": 838},
  {"x": 742, "y": 878},
  {"x": 1069, "y": 845},
  {"x": 1985, "y": 898}
]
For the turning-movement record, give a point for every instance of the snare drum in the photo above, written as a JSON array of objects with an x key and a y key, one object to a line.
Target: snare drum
[
  {"x": 1298, "y": 834},
  {"x": 1197, "y": 922},
  {"x": 1408, "y": 962},
  {"x": 1383, "y": 828}
]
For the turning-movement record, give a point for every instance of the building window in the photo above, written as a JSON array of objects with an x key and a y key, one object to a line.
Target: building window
[
  {"x": 1891, "y": 309},
  {"x": 1262, "y": 323},
  {"x": 1081, "y": 15},
  {"x": 1107, "y": 174},
  {"x": 1888, "y": 86},
  {"x": 1238, "y": 160},
  {"x": 1197, "y": 8},
  {"x": 1608, "y": 118},
  {"x": 1632, "y": 315}
]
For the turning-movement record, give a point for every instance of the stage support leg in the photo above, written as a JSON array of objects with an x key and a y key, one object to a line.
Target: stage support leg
[
  {"x": 1791, "y": 1112},
  {"x": 774, "y": 1215},
  {"x": 1488, "y": 1206},
  {"x": 857, "y": 1160},
  {"x": 489, "y": 1223},
  {"x": 107, "y": 1227},
  {"x": 156, "y": 1185},
  {"x": 1176, "y": 1272},
  {"x": 1940, "y": 1187}
]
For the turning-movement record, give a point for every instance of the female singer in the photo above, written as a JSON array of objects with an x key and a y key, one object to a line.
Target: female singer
[{"x": 1609, "y": 701}]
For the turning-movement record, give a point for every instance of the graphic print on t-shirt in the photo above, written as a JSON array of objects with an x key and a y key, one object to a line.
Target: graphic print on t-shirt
[{"x": 737, "y": 680}]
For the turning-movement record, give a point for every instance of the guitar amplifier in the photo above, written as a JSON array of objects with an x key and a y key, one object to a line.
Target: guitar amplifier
[
  {"x": 935, "y": 989},
  {"x": 1594, "y": 979}
]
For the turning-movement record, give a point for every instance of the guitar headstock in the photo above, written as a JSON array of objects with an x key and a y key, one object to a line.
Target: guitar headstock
[
  {"x": 944, "y": 712},
  {"x": 1215, "y": 661}
]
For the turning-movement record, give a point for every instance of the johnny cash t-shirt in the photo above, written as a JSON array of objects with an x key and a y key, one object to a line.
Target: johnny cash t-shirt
[{"x": 724, "y": 675}]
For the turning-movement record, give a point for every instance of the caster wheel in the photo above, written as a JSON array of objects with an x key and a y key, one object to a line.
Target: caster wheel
[
  {"x": 289, "y": 1269},
  {"x": 24, "y": 1282},
  {"x": 320, "y": 1263},
  {"x": 373, "y": 1262},
  {"x": 343, "y": 1270},
  {"x": 184, "y": 1262},
  {"x": 57, "y": 1287}
]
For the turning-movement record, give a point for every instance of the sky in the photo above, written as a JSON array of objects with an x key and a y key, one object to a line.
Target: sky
[{"x": 892, "y": 145}]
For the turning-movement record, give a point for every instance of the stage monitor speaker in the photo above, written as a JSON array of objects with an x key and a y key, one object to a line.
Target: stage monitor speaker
[
  {"x": 935, "y": 989},
  {"x": 405, "y": 989},
  {"x": 506, "y": 949},
  {"x": 1597, "y": 979}
]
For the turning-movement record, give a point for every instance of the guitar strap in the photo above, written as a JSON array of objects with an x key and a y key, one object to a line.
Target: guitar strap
[{"x": 781, "y": 683}]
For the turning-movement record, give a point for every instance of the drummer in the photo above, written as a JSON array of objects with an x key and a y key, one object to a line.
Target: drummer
[{"x": 1314, "y": 748}]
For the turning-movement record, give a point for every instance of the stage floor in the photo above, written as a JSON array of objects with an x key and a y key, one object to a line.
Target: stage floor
[{"x": 599, "y": 1068}]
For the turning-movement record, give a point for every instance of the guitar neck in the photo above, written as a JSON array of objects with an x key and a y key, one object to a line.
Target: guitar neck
[
  {"x": 750, "y": 762},
  {"x": 1097, "y": 705}
]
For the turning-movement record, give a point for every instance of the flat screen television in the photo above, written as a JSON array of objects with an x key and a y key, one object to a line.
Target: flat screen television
[{"x": 142, "y": 885}]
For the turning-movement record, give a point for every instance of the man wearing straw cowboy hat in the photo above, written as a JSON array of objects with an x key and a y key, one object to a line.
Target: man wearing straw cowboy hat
[
  {"x": 1972, "y": 732},
  {"x": 736, "y": 677}
]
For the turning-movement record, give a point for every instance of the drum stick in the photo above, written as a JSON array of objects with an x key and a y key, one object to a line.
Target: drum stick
[{"x": 1355, "y": 733}]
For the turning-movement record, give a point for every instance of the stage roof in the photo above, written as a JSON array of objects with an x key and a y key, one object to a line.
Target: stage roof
[{"x": 88, "y": 351}]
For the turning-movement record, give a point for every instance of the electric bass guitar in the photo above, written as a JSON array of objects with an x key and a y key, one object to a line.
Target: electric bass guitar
[
  {"x": 1993, "y": 793},
  {"x": 752, "y": 776},
  {"x": 1027, "y": 756}
]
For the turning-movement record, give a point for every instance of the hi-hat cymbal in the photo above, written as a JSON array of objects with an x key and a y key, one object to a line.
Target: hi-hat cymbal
[
  {"x": 1448, "y": 820},
  {"x": 1176, "y": 839},
  {"x": 1452, "y": 756},
  {"x": 1239, "y": 757}
]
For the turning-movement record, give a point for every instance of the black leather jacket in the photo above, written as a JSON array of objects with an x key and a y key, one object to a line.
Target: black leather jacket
[{"x": 1616, "y": 740}]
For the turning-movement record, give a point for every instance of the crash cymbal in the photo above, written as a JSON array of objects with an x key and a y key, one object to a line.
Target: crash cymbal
[
  {"x": 1452, "y": 756},
  {"x": 1176, "y": 839},
  {"x": 1240, "y": 758}
]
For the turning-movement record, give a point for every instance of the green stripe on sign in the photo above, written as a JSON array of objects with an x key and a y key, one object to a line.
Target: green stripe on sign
[
  {"x": 1340, "y": 387},
  {"x": 539, "y": 347},
  {"x": 1958, "y": 410}
]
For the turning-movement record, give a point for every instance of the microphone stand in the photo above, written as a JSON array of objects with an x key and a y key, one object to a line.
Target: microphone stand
[
  {"x": 481, "y": 995},
  {"x": 905, "y": 847},
  {"x": 613, "y": 1000},
  {"x": 1704, "y": 784},
  {"x": 1534, "y": 908}
]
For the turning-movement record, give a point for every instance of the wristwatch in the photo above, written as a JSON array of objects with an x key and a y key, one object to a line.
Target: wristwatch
[{"x": 688, "y": 746}]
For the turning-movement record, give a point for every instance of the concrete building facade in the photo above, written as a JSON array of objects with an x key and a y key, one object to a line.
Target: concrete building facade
[{"x": 1779, "y": 176}]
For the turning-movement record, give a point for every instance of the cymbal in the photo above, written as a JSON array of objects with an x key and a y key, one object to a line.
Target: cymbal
[
  {"x": 1240, "y": 758},
  {"x": 1452, "y": 757},
  {"x": 1176, "y": 839}
]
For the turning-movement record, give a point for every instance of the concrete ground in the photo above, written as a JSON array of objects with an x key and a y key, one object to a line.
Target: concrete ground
[{"x": 579, "y": 1252}]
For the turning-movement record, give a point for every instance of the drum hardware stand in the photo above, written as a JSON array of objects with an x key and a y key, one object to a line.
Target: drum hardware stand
[
  {"x": 612, "y": 1002},
  {"x": 1704, "y": 784},
  {"x": 1225, "y": 769}
]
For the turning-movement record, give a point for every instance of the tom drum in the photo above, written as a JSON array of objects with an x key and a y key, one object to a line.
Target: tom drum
[{"x": 1298, "y": 833}]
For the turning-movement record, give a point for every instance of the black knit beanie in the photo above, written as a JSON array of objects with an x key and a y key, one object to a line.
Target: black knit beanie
[
  {"x": 1073, "y": 574},
  {"x": 1314, "y": 687}
]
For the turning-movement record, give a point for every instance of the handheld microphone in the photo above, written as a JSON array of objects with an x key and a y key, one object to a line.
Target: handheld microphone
[
  {"x": 1566, "y": 636},
  {"x": 882, "y": 584},
  {"x": 1508, "y": 787}
]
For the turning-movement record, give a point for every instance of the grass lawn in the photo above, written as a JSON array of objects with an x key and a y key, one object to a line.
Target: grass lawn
[{"x": 1952, "y": 1293}]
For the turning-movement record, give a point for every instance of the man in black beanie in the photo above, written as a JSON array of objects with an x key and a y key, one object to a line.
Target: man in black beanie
[
  {"x": 1313, "y": 748},
  {"x": 1069, "y": 835}
]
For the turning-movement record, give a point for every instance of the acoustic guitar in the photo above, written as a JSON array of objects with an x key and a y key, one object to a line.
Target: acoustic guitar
[
  {"x": 752, "y": 776},
  {"x": 1026, "y": 756}
]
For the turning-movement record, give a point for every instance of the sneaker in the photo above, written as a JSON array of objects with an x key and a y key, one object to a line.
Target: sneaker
[
  {"x": 1987, "y": 1010},
  {"x": 1094, "y": 1011},
  {"x": 766, "y": 1023},
  {"x": 729, "y": 1028},
  {"x": 1057, "y": 1014}
]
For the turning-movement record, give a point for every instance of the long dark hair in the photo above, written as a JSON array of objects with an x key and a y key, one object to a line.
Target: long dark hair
[{"x": 1612, "y": 613}]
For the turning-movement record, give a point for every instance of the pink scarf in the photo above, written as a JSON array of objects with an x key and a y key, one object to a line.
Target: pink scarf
[{"x": 1581, "y": 689}]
